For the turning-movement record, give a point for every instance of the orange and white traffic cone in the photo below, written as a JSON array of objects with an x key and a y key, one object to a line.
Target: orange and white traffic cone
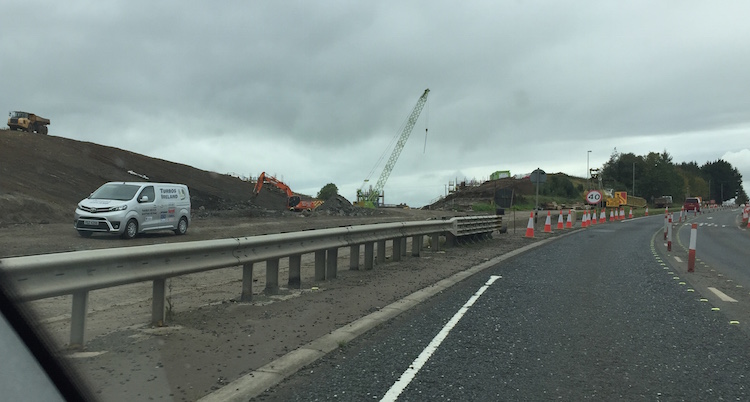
[
  {"x": 548, "y": 223},
  {"x": 611, "y": 215},
  {"x": 593, "y": 218},
  {"x": 569, "y": 221},
  {"x": 622, "y": 214},
  {"x": 530, "y": 226},
  {"x": 559, "y": 221},
  {"x": 585, "y": 219},
  {"x": 630, "y": 214},
  {"x": 603, "y": 216},
  {"x": 646, "y": 211}
]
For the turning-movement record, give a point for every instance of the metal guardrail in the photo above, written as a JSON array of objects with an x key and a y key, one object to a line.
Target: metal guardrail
[{"x": 77, "y": 273}]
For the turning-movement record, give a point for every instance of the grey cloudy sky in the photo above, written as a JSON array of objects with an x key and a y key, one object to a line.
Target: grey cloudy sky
[{"x": 314, "y": 92}]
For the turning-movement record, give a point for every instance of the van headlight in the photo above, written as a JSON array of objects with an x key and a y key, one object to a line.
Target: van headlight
[{"x": 120, "y": 208}]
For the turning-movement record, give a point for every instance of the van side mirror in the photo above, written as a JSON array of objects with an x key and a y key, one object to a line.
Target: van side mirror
[{"x": 144, "y": 199}]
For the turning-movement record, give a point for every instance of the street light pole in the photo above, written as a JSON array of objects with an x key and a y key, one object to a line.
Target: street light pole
[{"x": 588, "y": 172}]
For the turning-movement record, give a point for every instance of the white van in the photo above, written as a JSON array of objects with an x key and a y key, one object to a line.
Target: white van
[{"x": 129, "y": 208}]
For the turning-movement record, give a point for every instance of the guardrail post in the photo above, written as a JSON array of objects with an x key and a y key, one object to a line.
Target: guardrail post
[
  {"x": 320, "y": 265},
  {"x": 403, "y": 246},
  {"x": 381, "y": 252},
  {"x": 435, "y": 242},
  {"x": 416, "y": 245},
  {"x": 158, "y": 296},
  {"x": 331, "y": 263},
  {"x": 78, "y": 319},
  {"x": 396, "y": 250},
  {"x": 369, "y": 255},
  {"x": 295, "y": 271},
  {"x": 354, "y": 257},
  {"x": 247, "y": 282},
  {"x": 450, "y": 239},
  {"x": 272, "y": 276}
]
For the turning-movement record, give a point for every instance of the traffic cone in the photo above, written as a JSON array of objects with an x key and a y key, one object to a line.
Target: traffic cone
[
  {"x": 603, "y": 216},
  {"x": 530, "y": 226},
  {"x": 585, "y": 219},
  {"x": 630, "y": 214},
  {"x": 559, "y": 221},
  {"x": 646, "y": 211},
  {"x": 569, "y": 222},
  {"x": 622, "y": 214},
  {"x": 682, "y": 212},
  {"x": 593, "y": 218},
  {"x": 548, "y": 223}
]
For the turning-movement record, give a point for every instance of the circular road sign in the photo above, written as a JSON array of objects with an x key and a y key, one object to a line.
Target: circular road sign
[{"x": 593, "y": 197}]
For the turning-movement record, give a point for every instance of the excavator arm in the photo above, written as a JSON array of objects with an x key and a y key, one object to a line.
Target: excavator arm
[{"x": 292, "y": 200}]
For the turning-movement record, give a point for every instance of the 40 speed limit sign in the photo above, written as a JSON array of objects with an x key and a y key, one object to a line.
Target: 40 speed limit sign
[{"x": 593, "y": 197}]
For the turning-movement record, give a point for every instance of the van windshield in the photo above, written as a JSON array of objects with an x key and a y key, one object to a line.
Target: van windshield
[{"x": 121, "y": 192}]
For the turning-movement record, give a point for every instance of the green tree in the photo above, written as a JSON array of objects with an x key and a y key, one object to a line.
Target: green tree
[
  {"x": 559, "y": 186},
  {"x": 328, "y": 191},
  {"x": 661, "y": 177},
  {"x": 656, "y": 175},
  {"x": 620, "y": 170},
  {"x": 725, "y": 181}
]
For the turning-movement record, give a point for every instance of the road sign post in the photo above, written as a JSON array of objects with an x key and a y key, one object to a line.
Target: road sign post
[{"x": 538, "y": 177}]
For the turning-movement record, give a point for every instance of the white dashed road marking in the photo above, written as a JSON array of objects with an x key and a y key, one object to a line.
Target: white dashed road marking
[{"x": 722, "y": 295}]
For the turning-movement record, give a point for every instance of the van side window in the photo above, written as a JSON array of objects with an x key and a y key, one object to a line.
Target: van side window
[{"x": 148, "y": 192}]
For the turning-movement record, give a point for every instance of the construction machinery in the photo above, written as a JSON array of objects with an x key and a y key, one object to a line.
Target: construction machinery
[
  {"x": 293, "y": 201},
  {"x": 617, "y": 199},
  {"x": 373, "y": 196},
  {"x": 27, "y": 122}
]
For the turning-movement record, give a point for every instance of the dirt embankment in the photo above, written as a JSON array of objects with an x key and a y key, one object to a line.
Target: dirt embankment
[{"x": 42, "y": 178}]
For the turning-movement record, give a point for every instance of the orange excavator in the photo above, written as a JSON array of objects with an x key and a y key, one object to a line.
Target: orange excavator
[{"x": 293, "y": 201}]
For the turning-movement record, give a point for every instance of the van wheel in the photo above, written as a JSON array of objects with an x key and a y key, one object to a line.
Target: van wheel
[
  {"x": 85, "y": 233},
  {"x": 181, "y": 227},
  {"x": 131, "y": 229}
]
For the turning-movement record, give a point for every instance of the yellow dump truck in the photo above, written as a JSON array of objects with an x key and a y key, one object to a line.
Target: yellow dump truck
[{"x": 27, "y": 122}]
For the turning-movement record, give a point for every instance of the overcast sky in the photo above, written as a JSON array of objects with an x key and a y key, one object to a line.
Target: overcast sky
[{"x": 314, "y": 92}]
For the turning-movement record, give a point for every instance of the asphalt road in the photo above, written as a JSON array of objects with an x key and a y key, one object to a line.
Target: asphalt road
[
  {"x": 722, "y": 242},
  {"x": 600, "y": 314}
]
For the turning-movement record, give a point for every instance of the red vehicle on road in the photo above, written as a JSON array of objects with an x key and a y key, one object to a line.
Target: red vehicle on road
[{"x": 692, "y": 203}]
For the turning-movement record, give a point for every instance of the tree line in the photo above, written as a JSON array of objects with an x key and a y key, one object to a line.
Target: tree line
[{"x": 657, "y": 175}]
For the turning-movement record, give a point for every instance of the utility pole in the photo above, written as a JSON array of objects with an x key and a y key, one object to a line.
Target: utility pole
[{"x": 588, "y": 172}]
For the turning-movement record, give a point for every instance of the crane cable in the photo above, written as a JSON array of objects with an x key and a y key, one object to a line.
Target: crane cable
[{"x": 426, "y": 124}]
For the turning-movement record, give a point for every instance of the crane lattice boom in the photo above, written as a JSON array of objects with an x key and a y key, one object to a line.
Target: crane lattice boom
[{"x": 372, "y": 195}]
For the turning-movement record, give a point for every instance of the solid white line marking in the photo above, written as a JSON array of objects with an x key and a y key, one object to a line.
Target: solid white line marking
[
  {"x": 417, "y": 364},
  {"x": 678, "y": 259},
  {"x": 723, "y": 296}
]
